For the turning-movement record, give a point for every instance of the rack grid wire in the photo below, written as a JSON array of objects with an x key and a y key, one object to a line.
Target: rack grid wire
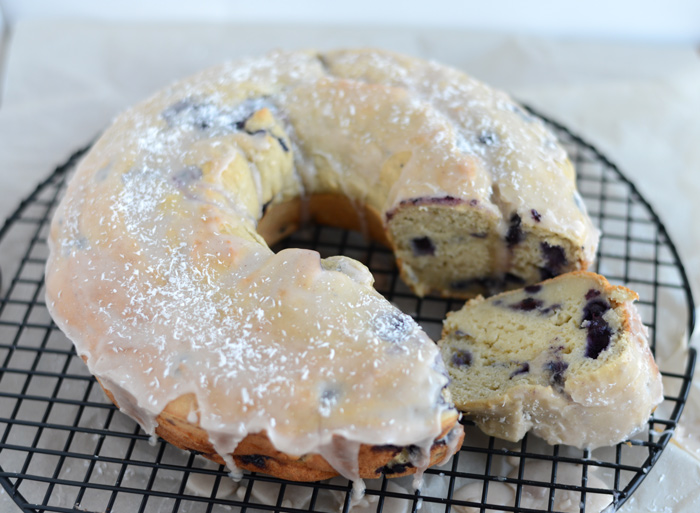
[{"x": 64, "y": 447}]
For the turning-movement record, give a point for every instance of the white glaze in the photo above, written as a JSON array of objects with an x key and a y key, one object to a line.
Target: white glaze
[{"x": 157, "y": 274}]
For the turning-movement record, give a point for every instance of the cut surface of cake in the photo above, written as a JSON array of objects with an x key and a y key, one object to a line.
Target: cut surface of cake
[{"x": 567, "y": 359}]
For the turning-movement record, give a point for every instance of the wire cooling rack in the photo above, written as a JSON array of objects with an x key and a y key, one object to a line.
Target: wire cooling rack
[{"x": 64, "y": 447}]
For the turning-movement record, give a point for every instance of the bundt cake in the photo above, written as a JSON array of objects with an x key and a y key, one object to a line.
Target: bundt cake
[
  {"x": 567, "y": 359},
  {"x": 161, "y": 274}
]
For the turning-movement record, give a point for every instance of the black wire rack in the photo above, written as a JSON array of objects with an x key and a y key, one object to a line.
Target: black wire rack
[{"x": 64, "y": 447}]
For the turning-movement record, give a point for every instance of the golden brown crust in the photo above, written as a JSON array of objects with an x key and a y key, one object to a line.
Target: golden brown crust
[
  {"x": 257, "y": 454},
  {"x": 283, "y": 219}
]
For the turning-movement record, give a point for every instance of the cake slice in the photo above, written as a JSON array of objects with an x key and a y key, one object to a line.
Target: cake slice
[{"x": 567, "y": 358}]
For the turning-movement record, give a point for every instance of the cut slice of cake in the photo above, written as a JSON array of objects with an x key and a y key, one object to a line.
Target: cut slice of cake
[{"x": 568, "y": 359}]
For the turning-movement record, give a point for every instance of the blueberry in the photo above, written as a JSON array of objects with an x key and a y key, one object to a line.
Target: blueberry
[
  {"x": 595, "y": 309},
  {"x": 533, "y": 289},
  {"x": 598, "y": 339},
  {"x": 393, "y": 326},
  {"x": 422, "y": 246},
  {"x": 386, "y": 447},
  {"x": 523, "y": 368},
  {"x": 488, "y": 138},
  {"x": 461, "y": 358},
  {"x": 515, "y": 233},
  {"x": 329, "y": 397},
  {"x": 555, "y": 260},
  {"x": 330, "y": 394},
  {"x": 557, "y": 369},
  {"x": 187, "y": 175},
  {"x": 171, "y": 113},
  {"x": 257, "y": 460},
  {"x": 599, "y": 331},
  {"x": 592, "y": 293},
  {"x": 398, "y": 468},
  {"x": 414, "y": 452},
  {"x": 551, "y": 308},
  {"x": 536, "y": 215},
  {"x": 527, "y": 305},
  {"x": 186, "y": 112}
]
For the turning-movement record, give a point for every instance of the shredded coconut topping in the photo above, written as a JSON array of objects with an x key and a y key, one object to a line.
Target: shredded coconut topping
[{"x": 158, "y": 275}]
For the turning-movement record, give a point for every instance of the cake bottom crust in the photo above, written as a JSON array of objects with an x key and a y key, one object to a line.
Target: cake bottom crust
[{"x": 256, "y": 453}]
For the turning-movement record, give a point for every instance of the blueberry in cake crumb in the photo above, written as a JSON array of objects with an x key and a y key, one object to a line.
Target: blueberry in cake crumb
[
  {"x": 527, "y": 305},
  {"x": 523, "y": 368},
  {"x": 592, "y": 293},
  {"x": 599, "y": 335},
  {"x": 422, "y": 246},
  {"x": 557, "y": 369},
  {"x": 595, "y": 309},
  {"x": 461, "y": 358},
  {"x": 551, "y": 308},
  {"x": 515, "y": 233},
  {"x": 257, "y": 460},
  {"x": 398, "y": 468},
  {"x": 533, "y": 289},
  {"x": 386, "y": 447},
  {"x": 555, "y": 260},
  {"x": 599, "y": 331},
  {"x": 536, "y": 215}
]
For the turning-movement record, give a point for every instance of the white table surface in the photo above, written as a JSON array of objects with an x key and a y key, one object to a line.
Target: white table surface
[{"x": 640, "y": 105}]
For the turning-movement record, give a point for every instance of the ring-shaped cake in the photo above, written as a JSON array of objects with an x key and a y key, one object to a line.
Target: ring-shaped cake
[{"x": 161, "y": 271}]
